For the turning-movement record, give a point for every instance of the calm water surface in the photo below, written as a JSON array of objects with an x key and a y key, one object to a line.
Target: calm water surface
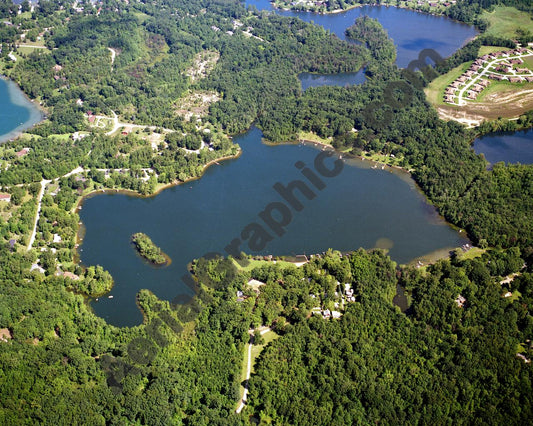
[
  {"x": 341, "y": 79},
  {"x": 509, "y": 147},
  {"x": 17, "y": 113},
  {"x": 361, "y": 207},
  {"x": 411, "y": 31}
]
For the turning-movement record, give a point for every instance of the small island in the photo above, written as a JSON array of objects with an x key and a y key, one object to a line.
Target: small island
[{"x": 148, "y": 250}]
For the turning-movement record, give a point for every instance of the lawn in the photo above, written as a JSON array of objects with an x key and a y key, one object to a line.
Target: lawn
[
  {"x": 252, "y": 264},
  {"x": 504, "y": 21},
  {"x": 435, "y": 90},
  {"x": 502, "y": 87},
  {"x": 313, "y": 137},
  {"x": 484, "y": 50}
]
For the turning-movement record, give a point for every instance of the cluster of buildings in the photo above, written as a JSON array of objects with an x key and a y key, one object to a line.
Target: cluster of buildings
[
  {"x": 347, "y": 296},
  {"x": 500, "y": 71}
]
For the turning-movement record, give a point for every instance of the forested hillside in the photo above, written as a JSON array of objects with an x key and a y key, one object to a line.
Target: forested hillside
[{"x": 460, "y": 354}]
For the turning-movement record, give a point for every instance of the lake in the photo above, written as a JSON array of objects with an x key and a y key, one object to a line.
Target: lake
[
  {"x": 17, "y": 113},
  {"x": 509, "y": 147},
  {"x": 343, "y": 79},
  {"x": 411, "y": 31},
  {"x": 360, "y": 207}
]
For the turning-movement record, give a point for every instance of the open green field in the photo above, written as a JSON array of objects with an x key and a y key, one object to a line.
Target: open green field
[
  {"x": 471, "y": 254},
  {"x": 252, "y": 264},
  {"x": 313, "y": 137},
  {"x": 500, "y": 87},
  {"x": 435, "y": 90},
  {"x": 483, "y": 50},
  {"x": 504, "y": 21},
  {"x": 528, "y": 62}
]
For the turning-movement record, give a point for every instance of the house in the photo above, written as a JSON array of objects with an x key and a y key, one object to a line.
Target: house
[
  {"x": 508, "y": 294},
  {"x": 336, "y": 314},
  {"x": 449, "y": 99},
  {"x": 5, "y": 197},
  {"x": 126, "y": 131},
  {"x": 522, "y": 70},
  {"x": 455, "y": 84},
  {"x": 496, "y": 77},
  {"x": 516, "y": 61},
  {"x": 57, "y": 67},
  {"x": 515, "y": 79},
  {"x": 57, "y": 238},
  {"x": 475, "y": 67},
  {"x": 71, "y": 275},
  {"x": 462, "y": 79},
  {"x": 477, "y": 88},
  {"x": 460, "y": 301},
  {"x": 36, "y": 267},
  {"x": 469, "y": 73},
  {"x": 484, "y": 83},
  {"x": 5, "y": 335},
  {"x": 471, "y": 94},
  {"x": 22, "y": 152},
  {"x": 529, "y": 79},
  {"x": 92, "y": 118}
]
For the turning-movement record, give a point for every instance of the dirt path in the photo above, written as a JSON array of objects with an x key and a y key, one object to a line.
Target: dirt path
[
  {"x": 249, "y": 367},
  {"x": 44, "y": 182},
  {"x": 113, "y": 55}
]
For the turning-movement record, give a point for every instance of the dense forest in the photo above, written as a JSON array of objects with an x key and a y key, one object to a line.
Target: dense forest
[{"x": 459, "y": 354}]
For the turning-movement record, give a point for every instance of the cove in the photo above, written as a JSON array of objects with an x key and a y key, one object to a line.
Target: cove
[
  {"x": 360, "y": 207},
  {"x": 509, "y": 147},
  {"x": 411, "y": 31},
  {"x": 17, "y": 113}
]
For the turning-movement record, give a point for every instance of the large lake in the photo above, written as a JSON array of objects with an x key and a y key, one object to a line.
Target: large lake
[
  {"x": 17, "y": 113},
  {"x": 360, "y": 207},
  {"x": 411, "y": 31},
  {"x": 509, "y": 147}
]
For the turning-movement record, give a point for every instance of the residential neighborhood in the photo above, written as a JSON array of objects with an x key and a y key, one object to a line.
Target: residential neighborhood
[{"x": 497, "y": 66}]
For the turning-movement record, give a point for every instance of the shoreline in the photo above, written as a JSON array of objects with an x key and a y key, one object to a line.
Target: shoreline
[
  {"x": 17, "y": 97},
  {"x": 80, "y": 232}
]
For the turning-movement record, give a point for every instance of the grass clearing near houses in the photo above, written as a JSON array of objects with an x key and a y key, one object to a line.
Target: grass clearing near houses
[
  {"x": 484, "y": 50},
  {"x": 435, "y": 90}
]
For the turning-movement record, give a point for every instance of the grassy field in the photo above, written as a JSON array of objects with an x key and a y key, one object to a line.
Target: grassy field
[
  {"x": 498, "y": 87},
  {"x": 472, "y": 253},
  {"x": 504, "y": 21},
  {"x": 435, "y": 90},
  {"x": 483, "y": 50},
  {"x": 252, "y": 264},
  {"x": 528, "y": 62},
  {"x": 313, "y": 137}
]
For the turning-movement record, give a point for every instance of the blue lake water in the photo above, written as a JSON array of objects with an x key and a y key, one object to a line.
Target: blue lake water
[
  {"x": 360, "y": 207},
  {"x": 308, "y": 80},
  {"x": 509, "y": 147},
  {"x": 411, "y": 31},
  {"x": 17, "y": 113}
]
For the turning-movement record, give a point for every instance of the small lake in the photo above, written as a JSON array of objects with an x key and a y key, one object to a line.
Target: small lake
[
  {"x": 360, "y": 207},
  {"x": 411, "y": 31},
  {"x": 17, "y": 113},
  {"x": 509, "y": 147},
  {"x": 308, "y": 80}
]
